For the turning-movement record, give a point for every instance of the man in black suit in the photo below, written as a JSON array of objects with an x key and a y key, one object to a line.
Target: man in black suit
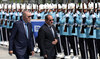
[
  {"x": 21, "y": 40},
  {"x": 48, "y": 38}
]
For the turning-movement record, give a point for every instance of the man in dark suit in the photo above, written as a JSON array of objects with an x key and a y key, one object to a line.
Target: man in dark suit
[
  {"x": 48, "y": 38},
  {"x": 21, "y": 40}
]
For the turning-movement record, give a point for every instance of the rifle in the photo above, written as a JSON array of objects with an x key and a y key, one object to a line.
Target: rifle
[
  {"x": 83, "y": 21},
  {"x": 16, "y": 7},
  {"x": 73, "y": 30},
  {"x": 4, "y": 11},
  {"x": 93, "y": 22},
  {"x": 38, "y": 7},
  {"x": 1, "y": 22},
  {"x": 32, "y": 11},
  {"x": 3, "y": 6},
  {"x": 11, "y": 7},
  {"x": 97, "y": 7},
  {"x": 20, "y": 7},
  {"x": 16, "y": 11},
  {"x": 57, "y": 25},
  {"x": 11, "y": 23},
  {"x": 7, "y": 12},
  {"x": 67, "y": 18},
  {"x": 32, "y": 8},
  {"x": 25, "y": 6},
  {"x": 5, "y": 22}
]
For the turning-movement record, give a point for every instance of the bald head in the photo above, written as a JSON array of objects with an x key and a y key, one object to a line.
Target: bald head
[
  {"x": 49, "y": 19},
  {"x": 26, "y": 16}
]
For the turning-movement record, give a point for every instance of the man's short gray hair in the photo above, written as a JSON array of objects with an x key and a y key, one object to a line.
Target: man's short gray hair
[{"x": 24, "y": 12}]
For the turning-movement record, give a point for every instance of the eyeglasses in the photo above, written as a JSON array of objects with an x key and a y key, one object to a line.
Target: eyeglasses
[
  {"x": 51, "y": 19},
  {"x": 29, "y": 16}
]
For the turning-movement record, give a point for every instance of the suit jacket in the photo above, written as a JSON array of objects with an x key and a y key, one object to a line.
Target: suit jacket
[
  {"x": 19, "y": 42},
  {"x": 46, "y": 37}
]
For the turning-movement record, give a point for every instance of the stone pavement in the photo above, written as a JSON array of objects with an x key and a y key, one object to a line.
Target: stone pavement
[{"x": 4, "y": 54}]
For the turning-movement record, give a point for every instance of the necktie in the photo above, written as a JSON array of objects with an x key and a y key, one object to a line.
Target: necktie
[
  {"x": 26, "y": 29},
  {"x": 52, "y": 31}
]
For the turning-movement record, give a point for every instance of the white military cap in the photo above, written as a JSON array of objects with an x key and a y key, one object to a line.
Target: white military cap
[
  {"x": 30, "y": 6},
  {"x": 34, "y": 6},
  {"x": 55, "y": 6},
  {"x": 85, "y": 6},
  {"x": 77, "y": 5},
  {"x": 18, "y": 6},
  {"x": 48, "y": 6},
  {"x": 68, "y": 5},
  {"x": 5, "y": 6},
  {"x": 41, "y": 6},
  {"x": 44, "y": 6},
  {"x": 95, "y": 5},
  {"x": 0, "y": 6},
  {"x": 14, "y": 6},
  {"x": 59, "y": 6},
  {"x": 51, "y": 7},
  {"x": 91, "y": 5},
  {"x": 81, "y": 6},
  {"x": 99, "y": 4},
  {"x": 9, "y": 6},
  {"x": 64, "y": 6},
  {"x": 23, "y": 6},
  {"x": 71, "y": 6}
]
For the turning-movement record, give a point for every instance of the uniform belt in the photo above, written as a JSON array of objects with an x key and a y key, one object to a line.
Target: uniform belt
[
  {"x": 98, "y": 28},
  {"x": 79, "y": 25},
  {"x": 88, "y": 26}
]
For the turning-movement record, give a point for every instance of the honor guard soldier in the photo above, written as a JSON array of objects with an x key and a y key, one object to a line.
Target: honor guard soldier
[
  {"x": 91, "y": 31},
  {"x": 64, "y": 33},
  {"x": 82, "y": 32},
  {"x": 72, "y": 38},
  {"x": 98, "y": 32}
]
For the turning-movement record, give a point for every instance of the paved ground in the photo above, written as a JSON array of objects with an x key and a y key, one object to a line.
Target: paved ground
[{"x": 4, "y": 54}]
